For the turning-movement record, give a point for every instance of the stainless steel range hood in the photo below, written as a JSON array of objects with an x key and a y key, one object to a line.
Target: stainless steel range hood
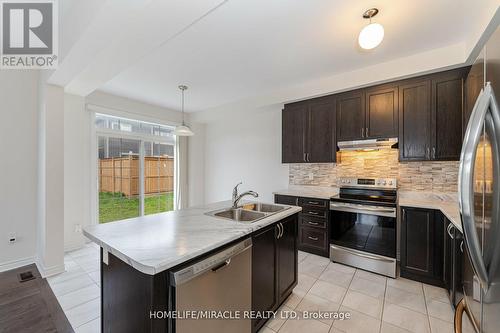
[{"x": 369, "y": 144}]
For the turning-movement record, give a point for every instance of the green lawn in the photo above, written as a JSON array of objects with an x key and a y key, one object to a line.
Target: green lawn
[{"x": 115, "y": 206}]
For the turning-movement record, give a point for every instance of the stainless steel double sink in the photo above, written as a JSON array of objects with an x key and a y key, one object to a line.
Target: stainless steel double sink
[{"x": 249, "y": 212}]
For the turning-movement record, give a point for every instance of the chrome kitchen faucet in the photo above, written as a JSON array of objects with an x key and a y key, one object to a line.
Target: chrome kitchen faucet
[{"x": 237, "y": 197}]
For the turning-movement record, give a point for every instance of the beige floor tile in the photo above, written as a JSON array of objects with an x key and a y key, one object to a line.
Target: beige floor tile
[
  {"x": 367, "y": 287},
  {"x": 336, "y": 277},
  {"x": 294, "y": 299},
  {"x": 432, "y": 292},
  {"x": 311, "y": 269},
  {"x": 405, "y": 299},
  {"x": 440, "y": 310},
  {"x": 363, "y": 303},
  {"x": 441, "y": 326},
  {"x": 313, "y": 303},
  {"x": 329, "y": 291},
  {"x": 406, "y": 285},
  {"x": 358, "y": 323},
  {"x": 317, "y": 260},
  {"x": 370, "y": 276},
  {"x": 405, "y": 318},
  {"x": 302, "y": 255},
  {"x": 388, "y": 328},
  {"x": 280, "y": 318},
  {"x": 335, "y": 330},
  {"x": 341, "y": 268},
  {"x": 305, "y": 282},
  {"x": 79, "y": 296},
  {"x": 304, "y": 325}
]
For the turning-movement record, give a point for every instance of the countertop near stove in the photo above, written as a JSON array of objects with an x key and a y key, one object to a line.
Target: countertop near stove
[
  {"x": 447, "y": 203},
  {"x": 317, "y": 192}
]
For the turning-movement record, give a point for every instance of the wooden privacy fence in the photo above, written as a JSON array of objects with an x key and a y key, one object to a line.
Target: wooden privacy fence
[{"x": 121, "y": 174}]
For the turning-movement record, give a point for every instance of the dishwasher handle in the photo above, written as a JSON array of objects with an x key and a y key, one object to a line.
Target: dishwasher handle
[
  {"x": 221, "y": 265},
  {"x": 209, "y": 265}
]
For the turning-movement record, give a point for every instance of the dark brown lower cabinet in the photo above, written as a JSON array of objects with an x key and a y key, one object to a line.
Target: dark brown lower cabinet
[
  {"x": 453, "y": 257},
  {"x": 422, "y": 245},
  {"x": 313, "y": 229},
  {"x": 274, "y": 266}
]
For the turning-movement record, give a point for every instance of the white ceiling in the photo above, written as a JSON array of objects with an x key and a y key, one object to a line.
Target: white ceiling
[{"x": 246, "y": 48}]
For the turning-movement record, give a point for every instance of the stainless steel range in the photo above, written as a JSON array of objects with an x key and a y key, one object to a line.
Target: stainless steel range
[{"x": 363, "y": 224}]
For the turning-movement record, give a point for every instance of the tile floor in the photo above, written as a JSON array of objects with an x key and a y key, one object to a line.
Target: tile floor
[
  {"x": 78, "y": 289},
  {"x": 376, "y": 304}
]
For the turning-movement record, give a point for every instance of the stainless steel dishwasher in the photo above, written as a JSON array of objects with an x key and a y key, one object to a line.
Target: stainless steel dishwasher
[{"x": 221, "y": 282}]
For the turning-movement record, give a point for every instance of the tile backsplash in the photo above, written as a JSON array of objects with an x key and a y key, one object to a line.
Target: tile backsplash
[{"x": 412, "y": 176}]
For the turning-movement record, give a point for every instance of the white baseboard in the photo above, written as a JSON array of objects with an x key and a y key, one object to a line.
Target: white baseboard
[
  {"x": 74, "y": 245},
  {"x": 7, "y": 266},
  {"x": 49, "y": 271}
]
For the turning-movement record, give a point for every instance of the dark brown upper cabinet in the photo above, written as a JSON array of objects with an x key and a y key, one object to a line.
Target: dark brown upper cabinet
[
  {"x": 351, "y": 116},
  {"x": 381, "y": 112},
  {"x": 415, "y": 121},
  {"x": 308, "y": 132},
  {"x": 293, "y": 132},
  {"x": 430, "y": 117},
  {"x": 447, "y": 109},
  {"x": 368, "y": 114}
]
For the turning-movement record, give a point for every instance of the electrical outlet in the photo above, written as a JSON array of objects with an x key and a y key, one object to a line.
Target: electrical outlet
[
  {"x": 311, "y": 176},
  {"x": 12, "y": 237},
  {"x": 78, "y": 228}
]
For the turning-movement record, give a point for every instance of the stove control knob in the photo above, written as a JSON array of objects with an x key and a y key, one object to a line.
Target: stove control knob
[
  {"x": 390, "y": 182},
  {"x": 385, "y": 183}
]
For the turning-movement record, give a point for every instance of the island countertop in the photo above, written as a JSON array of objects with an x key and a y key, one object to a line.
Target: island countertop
[{"x": 155, "y": 243}]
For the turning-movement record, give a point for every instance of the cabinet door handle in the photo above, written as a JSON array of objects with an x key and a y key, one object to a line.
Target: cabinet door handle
[
  {"x": 304, "y": 158},
  {"x": 297, "y": 201},
  {"x": 428, "y": 154},
  {"x": 313, "y": 202},
  {"x": 433, "y": 153},
  {"x": 312, "y": 223},
  {"x": 366, "y": 132},
  {"x": 279, "y": 230},
  {"x": 313, "y": 238},
  {"x": 313, "y": 213},
  {"x": 362, "y": 132},
  {"x": 307, "y": 157},
  {"x": 462, "y": 246}
]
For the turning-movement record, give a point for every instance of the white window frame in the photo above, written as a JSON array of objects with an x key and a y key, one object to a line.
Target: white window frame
[{"x": 112, "y": 133}]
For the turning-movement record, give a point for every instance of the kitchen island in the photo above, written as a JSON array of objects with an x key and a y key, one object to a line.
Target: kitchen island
[{"x": 139, "y": 255}]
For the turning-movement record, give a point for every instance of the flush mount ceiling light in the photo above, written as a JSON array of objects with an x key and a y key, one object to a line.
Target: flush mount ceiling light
[
  {"x": 183, "y": 130},
  {"x": 373, "y": 34}
]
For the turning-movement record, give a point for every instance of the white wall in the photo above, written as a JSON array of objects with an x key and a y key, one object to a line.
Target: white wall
[
  {"x": 243, "y": 145},
  {"x": 50, "y": 190},
  {"x": 18, "y": 167},
  {"x": 77, "y": 166}
]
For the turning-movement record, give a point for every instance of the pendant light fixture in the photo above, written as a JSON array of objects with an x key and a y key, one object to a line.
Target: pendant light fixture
[
  {"x": 373, "y": 34},
  {"x": 183, "y": 130}
]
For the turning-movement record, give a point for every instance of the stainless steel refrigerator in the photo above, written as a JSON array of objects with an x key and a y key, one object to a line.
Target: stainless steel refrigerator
[{"x": 479, "y": 197}]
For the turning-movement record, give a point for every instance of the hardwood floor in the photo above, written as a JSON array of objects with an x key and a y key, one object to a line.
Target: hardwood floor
[{"x": 29, "y": 306}]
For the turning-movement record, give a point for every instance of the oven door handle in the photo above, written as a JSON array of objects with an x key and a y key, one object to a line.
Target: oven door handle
[
  {"x": 391, "y": 212},
  {"x": 362, "y": 254}
]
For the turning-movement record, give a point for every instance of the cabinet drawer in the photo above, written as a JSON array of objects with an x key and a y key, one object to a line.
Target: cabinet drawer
[
  {"x": 286, "y": 199},
  {"x": 310, "y": 202},
  {"x": 313, "y": 238},
  {"x": 314, "y": 212},
  {"x": 313, "y": 222}
]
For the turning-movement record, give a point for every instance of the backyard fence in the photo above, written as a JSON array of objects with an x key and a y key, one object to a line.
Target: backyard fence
[{"x": 121, "y": 175}]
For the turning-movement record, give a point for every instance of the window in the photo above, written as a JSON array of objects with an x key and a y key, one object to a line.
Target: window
[{"x": 135, "y": 168}]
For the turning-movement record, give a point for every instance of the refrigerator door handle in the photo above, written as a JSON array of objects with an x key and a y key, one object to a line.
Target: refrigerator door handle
[{"x": 466, "y": 184}]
